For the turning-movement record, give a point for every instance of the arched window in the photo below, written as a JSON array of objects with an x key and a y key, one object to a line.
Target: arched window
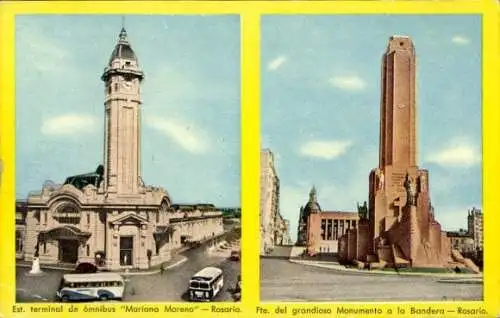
[{"x": 67, "y": 213}]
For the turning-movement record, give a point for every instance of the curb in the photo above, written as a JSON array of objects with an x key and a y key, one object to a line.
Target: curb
[
  {"x": 47, "y": 267},
  {"x": 183, "y": 260},
  {"x": 445, "y": 278},
  {"x": 460, "y": 281}
]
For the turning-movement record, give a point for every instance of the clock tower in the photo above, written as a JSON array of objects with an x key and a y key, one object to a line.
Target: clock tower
[{"x": 122, "y": 78}]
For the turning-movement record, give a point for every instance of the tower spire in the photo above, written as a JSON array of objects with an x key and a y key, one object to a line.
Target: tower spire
[
  {"x": 123, "y": 32},
  {"x": 312, "y": 194}
]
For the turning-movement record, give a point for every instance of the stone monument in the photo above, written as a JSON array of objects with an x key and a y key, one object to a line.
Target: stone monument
[{"x": 401, "y": 227}]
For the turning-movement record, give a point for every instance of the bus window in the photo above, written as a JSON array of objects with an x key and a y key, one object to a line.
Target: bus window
[{"x": 195, "y": 285}]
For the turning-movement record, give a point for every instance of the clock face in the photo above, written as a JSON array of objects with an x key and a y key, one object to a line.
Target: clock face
[{"x": 127, "y": 84}]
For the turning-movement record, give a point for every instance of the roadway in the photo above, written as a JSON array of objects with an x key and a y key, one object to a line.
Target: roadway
[
  {"x": 172, "y": 285},
  {"x": 169, "y": 286},
  {"x": 282, "y": 280}
]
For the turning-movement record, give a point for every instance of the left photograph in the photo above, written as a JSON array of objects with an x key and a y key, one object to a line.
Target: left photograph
[{"x": 127, "y": 158}]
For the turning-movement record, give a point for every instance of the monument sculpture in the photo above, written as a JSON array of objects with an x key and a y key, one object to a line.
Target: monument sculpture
[
  {"x": 401, "y": 229},
  {"x": 35, "y": 266}
]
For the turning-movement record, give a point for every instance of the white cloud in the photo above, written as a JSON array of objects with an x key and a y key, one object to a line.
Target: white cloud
[
  {"x": 333, "y": 194},
  {"x": 44, "y": 52},
  {"x": 184, "y": 88},
  {"x": 68, "y": 124},
  {"x": 184, "y": 134},
  {"x": 458, "y": 153},
  {"x": 460, "y": 40},
  {"x": 325, "y": 149},
  {"x": 276, "y": 63},
  {"x": 351, "y": 83}
]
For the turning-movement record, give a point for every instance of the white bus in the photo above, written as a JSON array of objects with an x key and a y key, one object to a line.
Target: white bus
[
  {"x": 206, "y": 284},
  {"x": 81, "y": 287}
]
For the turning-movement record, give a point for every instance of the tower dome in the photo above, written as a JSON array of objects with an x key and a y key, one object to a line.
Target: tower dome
[
  {"x": 123, "y": 49},
  {"x": 312, "y": 205}
]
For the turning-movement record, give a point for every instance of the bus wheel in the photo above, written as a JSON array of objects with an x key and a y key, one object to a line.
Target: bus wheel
[
  {"x": 103, "y": 297},
  {"x": 64, "y": 299}
]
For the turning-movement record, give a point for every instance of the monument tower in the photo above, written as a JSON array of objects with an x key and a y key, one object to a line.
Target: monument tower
[
  {"x": 122, "y": 78},
  {"x": 397, "y": 125},
  {"x": 399, "y": 204},
  {"x": 400, "y": 229}
]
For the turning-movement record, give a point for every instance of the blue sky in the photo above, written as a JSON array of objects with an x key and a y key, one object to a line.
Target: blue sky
[
  {"x": 191, "y": 95},
  {"x": 321, "y": 103}
]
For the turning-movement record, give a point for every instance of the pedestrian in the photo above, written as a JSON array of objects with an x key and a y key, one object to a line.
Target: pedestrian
[{"x": 162, "y": 269}]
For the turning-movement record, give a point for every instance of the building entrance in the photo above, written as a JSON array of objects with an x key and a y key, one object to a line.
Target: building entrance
[
  {"x": 126, "y": 250},
  {"x": 68, "y": 251}
]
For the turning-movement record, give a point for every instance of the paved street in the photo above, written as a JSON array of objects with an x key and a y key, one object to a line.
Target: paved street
[
  {"x": 171, "y": 286},
  {"x": 285, "y": 281}
]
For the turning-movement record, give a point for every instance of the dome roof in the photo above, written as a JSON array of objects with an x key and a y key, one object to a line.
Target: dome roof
[
  {"x": 312, "y": 207},
  {"x": 123, "y": 49}
]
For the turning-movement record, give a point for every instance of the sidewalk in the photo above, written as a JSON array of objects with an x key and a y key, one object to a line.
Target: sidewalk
[
  {"x": 446, "y": 277},
  {"x": 176, "y": 260}
]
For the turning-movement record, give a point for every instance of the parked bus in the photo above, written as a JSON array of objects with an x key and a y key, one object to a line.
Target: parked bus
[
  {"x": 101, "y": 286},
  {"x": 206, "y": 284}
]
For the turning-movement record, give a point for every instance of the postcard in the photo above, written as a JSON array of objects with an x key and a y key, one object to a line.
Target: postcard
[
  {"x": 358, "y": 138},
  {"x": 372, "y": 150},
  {"x": 127, "y": 165}
]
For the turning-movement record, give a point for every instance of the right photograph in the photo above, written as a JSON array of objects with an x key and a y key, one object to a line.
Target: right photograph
[{"x": 371, "y": 158}]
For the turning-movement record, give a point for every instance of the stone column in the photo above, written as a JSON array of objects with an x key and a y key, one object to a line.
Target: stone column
[
  {"x": 113, "y": 250},
  {"x": 142, "y": 248}
]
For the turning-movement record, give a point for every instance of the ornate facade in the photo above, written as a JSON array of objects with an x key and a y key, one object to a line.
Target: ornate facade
[
  {"x": 400, "y": 228},
  {"x": 273, "y": 230},
  {"x": 110, "y": 216}
]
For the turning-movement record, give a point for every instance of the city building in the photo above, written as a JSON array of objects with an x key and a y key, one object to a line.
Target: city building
[
  {"x": 21, "y": 213},
  {"x": 230, "y": 212},
  {"x": 469, "y": 242},
  {"x": 475, "y": 227},
  {"x": 319, "y": 231},
  {"x": 399, "y": 228},
  {"x": 271, "y": 222},
  {"x": 110, "y": 216},
  {"x": 461, "y": 241}
]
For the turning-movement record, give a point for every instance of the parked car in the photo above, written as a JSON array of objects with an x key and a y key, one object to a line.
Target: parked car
[{"x": 84, "y": 268}]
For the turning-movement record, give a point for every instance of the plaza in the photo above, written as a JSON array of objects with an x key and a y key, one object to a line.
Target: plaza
[{"x": 282, "y": 280}]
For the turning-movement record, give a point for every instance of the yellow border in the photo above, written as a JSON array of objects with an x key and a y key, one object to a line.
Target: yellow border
[{"x": 250, "y": 30}]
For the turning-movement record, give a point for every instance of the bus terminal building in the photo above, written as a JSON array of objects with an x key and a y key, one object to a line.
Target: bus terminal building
[{"x": 109, "y": 216}]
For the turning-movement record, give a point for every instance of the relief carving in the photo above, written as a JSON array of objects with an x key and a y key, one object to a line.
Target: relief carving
[
  {"x": 411, "y": 190},
  {"x": 379, "y": 179},
  {"x": 423, "y": 184}
]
